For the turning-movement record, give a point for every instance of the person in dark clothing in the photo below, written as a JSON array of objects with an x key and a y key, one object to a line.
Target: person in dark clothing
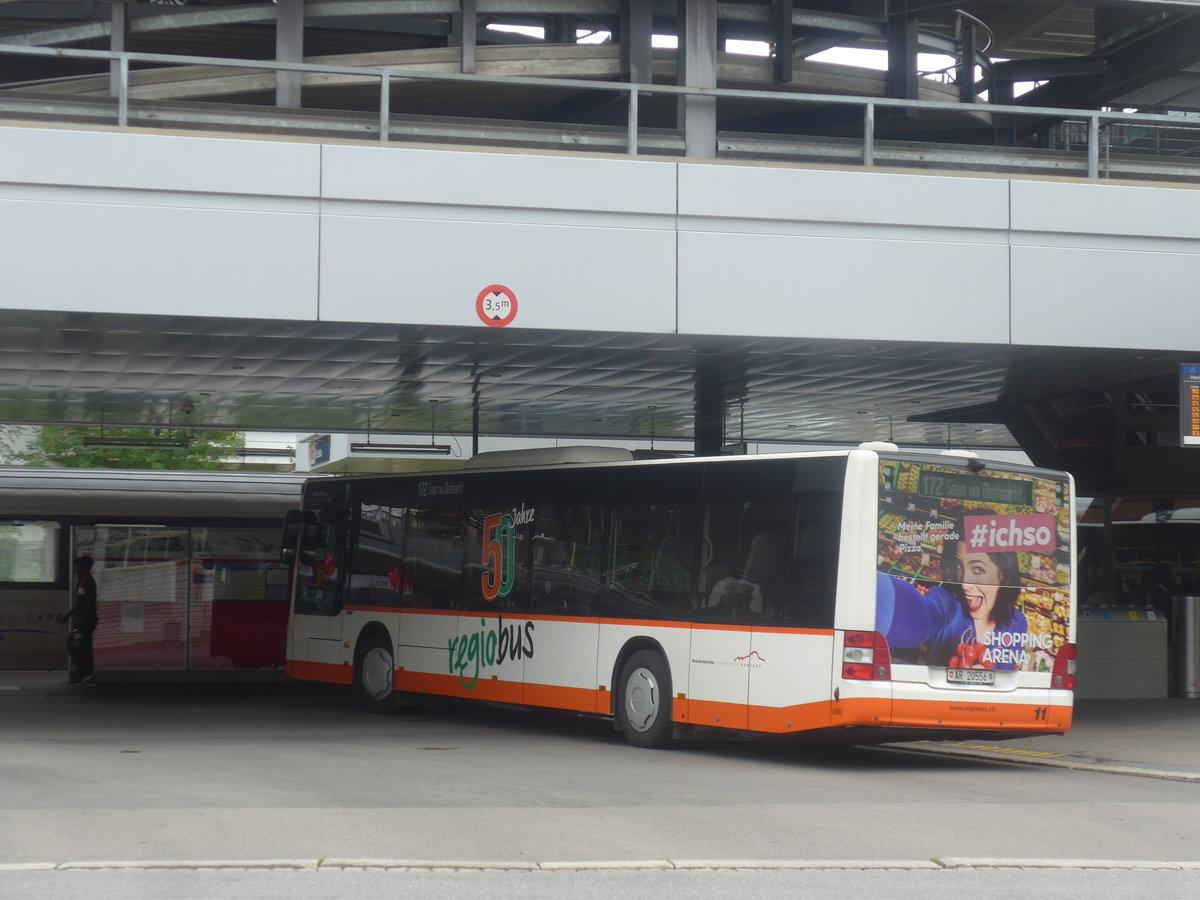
[{"x": 84, "y": 618}]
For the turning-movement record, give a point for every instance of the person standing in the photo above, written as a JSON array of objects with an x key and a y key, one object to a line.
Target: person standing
[{"x": 84, "y": 618}]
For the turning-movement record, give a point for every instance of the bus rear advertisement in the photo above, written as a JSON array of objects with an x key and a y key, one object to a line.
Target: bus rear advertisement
[{"x": 775, "y": 594}]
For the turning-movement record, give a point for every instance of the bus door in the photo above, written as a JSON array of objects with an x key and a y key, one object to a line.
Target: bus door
[{"x": 316, "y": 630}]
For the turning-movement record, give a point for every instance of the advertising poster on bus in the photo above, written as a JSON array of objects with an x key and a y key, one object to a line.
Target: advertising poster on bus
[{"x": 974, "y": 569}]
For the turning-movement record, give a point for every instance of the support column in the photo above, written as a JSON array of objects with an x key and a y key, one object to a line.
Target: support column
[
  {"x": 637, "y": 32},
  {"x": 698, "y": 53},
  {"x": 709, "y": 425},
  {"x": 966, "y": 64},
  {"x": 116, "y": 43},
  {"x": 782, "y": 63},
  {"x": 289, "y": 47},
  {"x": 463, "y": 28},
  {"x": 902, "y": 80}
]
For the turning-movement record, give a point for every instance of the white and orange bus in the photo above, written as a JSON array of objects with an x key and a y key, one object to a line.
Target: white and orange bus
[{"x": 783, "y": 593}]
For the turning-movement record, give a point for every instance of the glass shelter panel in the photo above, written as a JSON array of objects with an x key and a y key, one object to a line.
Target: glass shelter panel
[
  {"x": 239, "y": 594},
  {"x": 142, "y": 577}
]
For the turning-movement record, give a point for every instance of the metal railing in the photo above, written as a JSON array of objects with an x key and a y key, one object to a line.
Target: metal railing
[{"x": 1092, "y": 122}]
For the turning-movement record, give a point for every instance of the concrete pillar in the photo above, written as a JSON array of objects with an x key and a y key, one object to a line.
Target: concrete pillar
[
  {"x": 637, "y": 32},
  {"x": 698, "y": 53},
  {"x": 116, "y": 43},
  {"x": 463, "y": 28},
  {"x": 289, "y": 47},
  {"x": 709, "y": 424}
]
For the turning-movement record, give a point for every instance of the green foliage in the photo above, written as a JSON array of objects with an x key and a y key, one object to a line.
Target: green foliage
[{"x": 63, "y": 446}]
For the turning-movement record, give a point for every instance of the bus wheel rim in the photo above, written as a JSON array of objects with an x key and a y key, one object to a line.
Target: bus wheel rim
[
  {"x": 377, "y": 673},
  {"x": 641, "y": 699}
]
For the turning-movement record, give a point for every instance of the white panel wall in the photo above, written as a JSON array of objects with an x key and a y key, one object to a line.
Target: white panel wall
[
  {"x": 415, "y": 235},
  {"x": 120, "y": 222},
  {"x": 1096, "y": 265},
  {"x": 99, "y": 220},
  {"x": 834, "y": 254}
]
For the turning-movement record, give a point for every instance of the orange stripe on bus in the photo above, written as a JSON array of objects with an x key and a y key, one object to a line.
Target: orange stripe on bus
[
  {"x": 978, "y": 712},
  {"x": 781, "y": 720},
  {"x": 493, "y": 690},
  {"x": 861, "y": 711},
  {"x": 723, "y": 715},
  {"x": 555, "y": 697},
  {"x": 314, "y": 671}
]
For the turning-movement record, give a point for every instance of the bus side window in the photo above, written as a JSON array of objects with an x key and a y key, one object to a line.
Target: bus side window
[
  {"x": 568, "y": 552},
  {"x": 653, "y": 569},
  {"x": 812, "y": 568},
  {"x": 510, "y": 585},
  {"x": 434, "y": 558},
  {"x": 743, "y": 559},
  {"x": 377, "y": 577}
]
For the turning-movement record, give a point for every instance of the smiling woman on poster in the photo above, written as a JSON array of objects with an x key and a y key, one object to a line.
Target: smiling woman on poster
[{"x": 967, "y": 619}]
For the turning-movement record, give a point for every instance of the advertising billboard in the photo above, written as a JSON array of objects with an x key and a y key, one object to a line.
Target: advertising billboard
[{"x": 974, "y": 569}]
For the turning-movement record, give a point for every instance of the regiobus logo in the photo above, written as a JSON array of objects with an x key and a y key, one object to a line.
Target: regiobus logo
[{"x": 1005, "y": 534}]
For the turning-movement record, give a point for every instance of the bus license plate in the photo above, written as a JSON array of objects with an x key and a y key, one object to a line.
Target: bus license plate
[{"x": 970, "y": 676}]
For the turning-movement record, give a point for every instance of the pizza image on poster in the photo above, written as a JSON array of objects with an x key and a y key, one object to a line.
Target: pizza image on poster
[{"x": 972, "y": 568}]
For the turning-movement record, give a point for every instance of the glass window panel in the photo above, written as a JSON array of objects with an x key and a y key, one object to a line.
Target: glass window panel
[
  {"x": 654, "y": 556},
  {"x": 238, "y": 611},
  {"x": 28, "y": 552},
  {"x": 142, "y": 581},
  {"x": 568, "y": 558},
  {"x": 377, "y": 574},
  {"x": 434, "y": 558}
]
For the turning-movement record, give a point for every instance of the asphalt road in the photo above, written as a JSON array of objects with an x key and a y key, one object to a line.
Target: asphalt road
[{"x": 299, "y": 772}]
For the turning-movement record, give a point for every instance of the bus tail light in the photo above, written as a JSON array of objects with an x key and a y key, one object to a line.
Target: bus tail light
[
  {"x": 1062, "y": 676},
  {"x": 866, "y": 657}
]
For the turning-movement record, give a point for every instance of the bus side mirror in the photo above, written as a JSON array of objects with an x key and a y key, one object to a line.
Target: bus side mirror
[
  {"x": 313, "y": 538},
  {"x": 291, "y": 534}
]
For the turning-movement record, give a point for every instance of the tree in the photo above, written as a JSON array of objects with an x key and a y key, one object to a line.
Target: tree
[{"x": 64, "y": 446}]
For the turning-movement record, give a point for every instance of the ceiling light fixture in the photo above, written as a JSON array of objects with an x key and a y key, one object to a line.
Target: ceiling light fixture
[
  {"x": 372, "y": 447},
  {"x": 144, "y": 443}
]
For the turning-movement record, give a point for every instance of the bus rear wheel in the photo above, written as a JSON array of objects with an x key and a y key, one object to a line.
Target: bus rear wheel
[
  {"x": 644, "y": 700},
  {"x": 374, "y": 674}
]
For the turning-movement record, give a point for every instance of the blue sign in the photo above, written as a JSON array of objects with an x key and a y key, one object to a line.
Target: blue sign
[{"x": 318, "y": 451}]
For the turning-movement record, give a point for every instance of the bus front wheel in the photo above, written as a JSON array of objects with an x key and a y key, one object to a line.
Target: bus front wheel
[
  {"x": 644, "y": 703},
  {"x": 375, "y": 674}
]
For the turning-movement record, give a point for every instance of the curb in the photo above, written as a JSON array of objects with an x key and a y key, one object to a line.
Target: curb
[
  {"x": 607, "y": 865},
  {"x": 1042, "y": 758}
]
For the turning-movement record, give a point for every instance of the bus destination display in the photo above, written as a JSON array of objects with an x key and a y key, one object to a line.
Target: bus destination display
[{"x": 978, "y": 488}]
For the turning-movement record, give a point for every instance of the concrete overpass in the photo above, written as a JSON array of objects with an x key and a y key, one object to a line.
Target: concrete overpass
[{"x": 758, "y": 253}]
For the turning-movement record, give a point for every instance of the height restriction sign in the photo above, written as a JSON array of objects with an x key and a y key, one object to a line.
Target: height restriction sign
[{"x": 496, "y": 305}]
